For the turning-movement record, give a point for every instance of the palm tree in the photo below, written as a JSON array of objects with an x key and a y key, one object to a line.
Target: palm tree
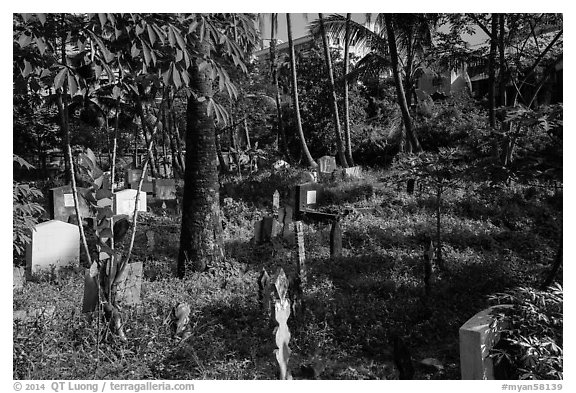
[
  {"x": 347, "y": 141},
  {"x": 334, "y": 101},
  {"x": 305, "y": 150}
]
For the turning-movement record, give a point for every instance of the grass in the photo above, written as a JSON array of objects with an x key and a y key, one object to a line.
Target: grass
[{"x": 493, "y": 240}]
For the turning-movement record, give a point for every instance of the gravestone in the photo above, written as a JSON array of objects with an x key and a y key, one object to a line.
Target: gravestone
[
  {"x": 61, "y": 203},
  {"x": 130, "y": 288},
  {"x": 275, "y": 202},
  {"x": 327, "y": 164},
  {"x": 264, "y": 292},
  {"x": 53, "y": 244},
  {"x": 165, "y": 189},
  {"x": 281, "y": 332},
  {"x": 133, "y": 176},
  {"x": 301, "y": 252},
  {"x": 18, "y": 277},
  {"x": 354, "y": 172},
  {"x": 147, "y": 186},
  {"x": 307, "y": 196},
  {"x": 124, "y": 202},
  {"x": 477, "y": 338},
  {"x": 335, "y": 240},
  {"x": 258, "y": 232},
  {"x": 410, "y": 186}
]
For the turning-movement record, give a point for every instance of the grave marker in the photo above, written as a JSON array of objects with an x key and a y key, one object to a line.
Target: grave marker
[
  {"x": 477, "y": 338},
  {"x": 264, "y": 292},
  {"x": 327, "y": 164},
  {"x": 258, "y": 231},
  {"x": 335, "y": 240},
  {"x": 18, "y": 277},
  {"x": 354, "y": 172},
  {"x": 281, "y": 332},
  {"x": 61, "y": 203},
  {"x": 91, "y": 291},
  {"x": 165, "y": 189},
  {"x": 53, "y": 244},
  {"x": 125, "y": 200},
  {"x": 307, "y": 196},
  {"x": 301, "y": 252},
  {"x": 130, "y": 288},
  {"x": 275, "y": 202}
]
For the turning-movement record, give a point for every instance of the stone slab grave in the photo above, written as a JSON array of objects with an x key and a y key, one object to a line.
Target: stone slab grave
[
  {"x": 326, "y": 165},
  {"x": 477, "y": 338},
  {"x": 19, "y": 277},
  {"x": 61, "y": 203},
  {"x": 125, "y": 200},
  {"x": 165, "y": 189},
  {"x": 53, "y": 244},
  {"x": 266, "y": 229},
  {"x": 307, "y": 196}
]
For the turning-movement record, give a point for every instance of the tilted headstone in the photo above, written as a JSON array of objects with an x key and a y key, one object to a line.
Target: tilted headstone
[
  {"x": 61, "y": 203},
  {"x": 18, "y": 277},
  {"x": 281, "y": 332},
  {"x": 165, "y": 189},
  {"x": 336, "y": 240},
  {"x": 264, "y": 291},
  {"x": 301, "y": 252},
  {"x": 53, "y": 244},
  {"x": 327, "y": 164},
  {"x": 125, "y": 201},
  {"x": 130, "y": 288},
  {"x": 477, "y": 337}
]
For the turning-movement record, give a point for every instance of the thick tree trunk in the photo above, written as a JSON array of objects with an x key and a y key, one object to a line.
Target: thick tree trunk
[
  {"x": 310, "y": 161},
  {"x": 223, "y": 164},
  {"x": 333, "y": 99},
  {"x": 201, "y": 234},
  {"x": 410, "y": 133},
  {"x": 282, "y": 142},
  {"x": 502, "y": 62},
  {"x": 347, "y": 140}
]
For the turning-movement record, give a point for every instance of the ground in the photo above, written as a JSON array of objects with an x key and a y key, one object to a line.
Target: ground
[{"x": 494, "y": 238}]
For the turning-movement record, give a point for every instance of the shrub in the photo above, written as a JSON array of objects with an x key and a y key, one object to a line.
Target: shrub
[{"x": 531, "y": 344}]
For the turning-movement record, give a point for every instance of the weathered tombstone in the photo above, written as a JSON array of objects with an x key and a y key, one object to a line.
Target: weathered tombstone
[
  {"x": 307, "y": 196},
  {"x": 258, "y": 231},
  {"x": 125, "y": 201},
  {"x": 281, "y": 332},
  {"x": 133, "y": 176},
  {"x": 264, "y": 292},
  {"x": 354, "y": 172},
  {"x": 276, "y": 229},
  {"x": 91, "y": 290},
  {"x": 477, "y": 337},
  {"x": 267, "y": 224},
  {"x": 165, "y": 189},
  {"x": 18, "y": 277},
  {"x": 335, "y": 240},
  {"x": 275, "y": 202},
  {"x": 61, "y": 203},
  {"x": 53, "y": 244},
  {"x": 410, "y": 186},
  {"x": 327, "y": 164},
  {"x": 301, "y": 252},
  {"x": 130, "y": 287},
  {"x": 147, "y": 186}
]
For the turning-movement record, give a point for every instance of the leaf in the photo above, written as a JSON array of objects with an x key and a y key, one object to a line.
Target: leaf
[
  {"x": 134, "y": 52},
  {"x": 98, "y": 70},
  {"x": 166, "y": 76},
  {"x": 103, "y": 193},
  {"x": 41, "y": 44},
  {"x": 24, "y": 40},
  {"x": 146, "y": 51},
  {"x": 60, "y": 78},
  {"x": 116, "y": 92},
  {"x": 176, "y": 77},
  {"x": 180, "y": 39},
  {"x": 27, "y": 69},
  {"x": 94, "y": 269},
  {"x": 72, "y": 84},
  {"x": 105, "y": 233},
  {"x": 171, "y": 36},
  {"x": 102, "y": 18},
  {"x": 151, "y": 35}
]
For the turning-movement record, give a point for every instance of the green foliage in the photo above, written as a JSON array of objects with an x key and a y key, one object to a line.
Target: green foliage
[
  {"x": 25, "y": 210},
  {"x": 533, "y": 339}
]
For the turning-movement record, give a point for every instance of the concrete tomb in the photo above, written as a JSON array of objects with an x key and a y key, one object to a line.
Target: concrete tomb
[
  {"x": 54, "y": 244},
  {"x": 125, "y": 201},
  {"x": 61, "y": 203},
  {"x": 477, "y": 338}
]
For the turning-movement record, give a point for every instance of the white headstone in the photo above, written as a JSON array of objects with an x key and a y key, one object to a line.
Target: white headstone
[
  {"x": 125, "y": 200},
  {"x": 54, "y": 244},
  {"x": 477, "y": 338},
  {"x": 327, "y": 164}
]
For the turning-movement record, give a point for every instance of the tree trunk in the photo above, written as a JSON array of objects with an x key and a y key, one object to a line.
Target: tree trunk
[
  {"x": 201, "y": 243},
  {"x": 410, "y": 133},
  {"x": 333, "y": 99},
  {"x": 492, "y": 72},
  {"x": 502, "y": 65},
  {"x": 309, "y": 159},
  {"x": 178, "y": 142},
  {"x": 282, "y": 142},
  {"x": 223, "y": 164},
  {"x": 64, "y": 114},
  {"x": 347, "y": 140}
]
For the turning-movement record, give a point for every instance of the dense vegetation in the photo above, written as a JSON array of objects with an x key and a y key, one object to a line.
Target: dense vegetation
[{"x": 177, "y": 93}]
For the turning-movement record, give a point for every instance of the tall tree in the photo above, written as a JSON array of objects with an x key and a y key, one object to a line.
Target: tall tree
[
  {"x": 347, "y": 140},
  {"x": 333, "y": 98},
  {"x": 310, "y": 161},
  {"x": 414, "y": 144}
]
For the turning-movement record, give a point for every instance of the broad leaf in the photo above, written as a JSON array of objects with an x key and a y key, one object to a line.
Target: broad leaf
[{"x": 60, "y": 78}]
